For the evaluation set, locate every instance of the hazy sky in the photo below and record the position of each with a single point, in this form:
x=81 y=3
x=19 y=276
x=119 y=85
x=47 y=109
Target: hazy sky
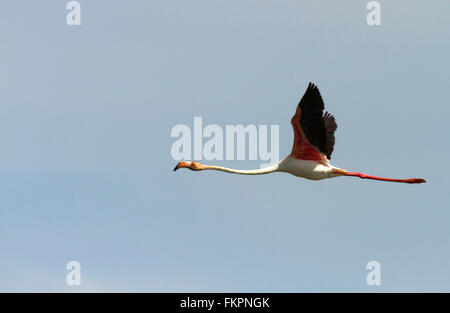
x=86 y=171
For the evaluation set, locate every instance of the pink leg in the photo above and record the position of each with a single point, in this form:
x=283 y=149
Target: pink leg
x=365 y=176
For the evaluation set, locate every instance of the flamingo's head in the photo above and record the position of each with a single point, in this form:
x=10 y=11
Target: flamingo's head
x=193 y=166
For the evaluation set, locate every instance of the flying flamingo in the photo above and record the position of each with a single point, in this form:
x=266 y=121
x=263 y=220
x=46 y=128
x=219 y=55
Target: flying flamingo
x=312 y=148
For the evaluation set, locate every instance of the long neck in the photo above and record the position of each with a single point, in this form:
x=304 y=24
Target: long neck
x=261 y=171
x=395 y=180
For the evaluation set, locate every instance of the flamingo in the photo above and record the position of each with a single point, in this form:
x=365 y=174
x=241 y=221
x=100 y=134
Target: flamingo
x=312 y=147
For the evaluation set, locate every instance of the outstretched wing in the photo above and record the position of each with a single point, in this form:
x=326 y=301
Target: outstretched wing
x=313 y=130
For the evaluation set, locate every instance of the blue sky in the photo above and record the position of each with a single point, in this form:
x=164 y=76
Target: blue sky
x=86 y=172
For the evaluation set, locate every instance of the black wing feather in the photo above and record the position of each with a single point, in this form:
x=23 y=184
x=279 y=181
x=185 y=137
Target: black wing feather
x=319 y=128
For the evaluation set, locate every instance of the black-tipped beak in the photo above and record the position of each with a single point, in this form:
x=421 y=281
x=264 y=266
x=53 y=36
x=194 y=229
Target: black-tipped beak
x=175 y=168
